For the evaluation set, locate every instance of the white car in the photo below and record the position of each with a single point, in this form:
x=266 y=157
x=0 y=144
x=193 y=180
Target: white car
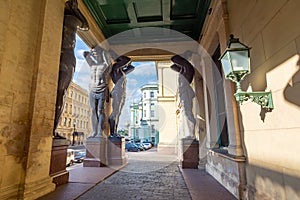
x=70 y=157
x=147 y=145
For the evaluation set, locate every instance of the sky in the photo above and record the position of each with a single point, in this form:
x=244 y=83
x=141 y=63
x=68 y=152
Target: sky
x=144 y=73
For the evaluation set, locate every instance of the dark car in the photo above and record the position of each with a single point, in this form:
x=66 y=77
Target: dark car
x=131 y=147
x=79 y=156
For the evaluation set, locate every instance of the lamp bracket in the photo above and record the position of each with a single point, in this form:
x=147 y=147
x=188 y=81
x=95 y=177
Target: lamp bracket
x=264 y=99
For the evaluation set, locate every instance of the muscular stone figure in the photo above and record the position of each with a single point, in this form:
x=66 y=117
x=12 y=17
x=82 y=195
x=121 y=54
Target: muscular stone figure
x=73 y=20
x=118 y=94
x=186 y=95
x=99 y=61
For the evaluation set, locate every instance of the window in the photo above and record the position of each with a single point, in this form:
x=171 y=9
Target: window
x=70 y=110
x=152 y=113
x=65 y=121
x=75 y=96
x=66 y=108
x=145 y=113
x=222 y=126
x=69 y=124
x=153 y=128
x=71 y=94
x=152 y=104
x=144 y=94
x=151 y=94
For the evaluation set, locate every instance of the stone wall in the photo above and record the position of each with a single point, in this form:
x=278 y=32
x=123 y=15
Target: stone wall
x=30 y=37
x=272 y=29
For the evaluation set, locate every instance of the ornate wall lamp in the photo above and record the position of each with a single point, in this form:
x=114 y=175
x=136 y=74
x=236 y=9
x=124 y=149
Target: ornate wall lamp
x=236 y=65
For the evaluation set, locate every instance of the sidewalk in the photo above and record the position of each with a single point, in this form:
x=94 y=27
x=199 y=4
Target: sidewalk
x=81 y=179
x=203 y=186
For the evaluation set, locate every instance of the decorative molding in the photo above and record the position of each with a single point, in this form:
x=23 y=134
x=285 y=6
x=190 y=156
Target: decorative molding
x=38 y=188
x=9 y=192
x=225 y=154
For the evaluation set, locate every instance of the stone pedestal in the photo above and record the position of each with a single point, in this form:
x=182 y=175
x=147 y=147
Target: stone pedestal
x=190 y=148
x=96 y=152
x=58 y=161
x=116 y=151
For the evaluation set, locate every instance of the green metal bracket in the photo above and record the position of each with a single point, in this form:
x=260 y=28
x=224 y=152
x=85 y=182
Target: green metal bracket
x=261 y=98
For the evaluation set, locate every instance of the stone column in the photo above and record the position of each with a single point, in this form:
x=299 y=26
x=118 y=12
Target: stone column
x=167 y=80
x=40 y=25
x=210 y=110
x=200 y=119
x=234 y=136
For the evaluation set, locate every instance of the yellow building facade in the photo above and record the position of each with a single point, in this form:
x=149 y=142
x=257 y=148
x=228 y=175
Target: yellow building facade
x=76 y=116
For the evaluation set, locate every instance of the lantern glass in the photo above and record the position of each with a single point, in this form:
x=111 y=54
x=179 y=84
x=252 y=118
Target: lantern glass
x=240 y=60
x=236 y=60
x=225 y=60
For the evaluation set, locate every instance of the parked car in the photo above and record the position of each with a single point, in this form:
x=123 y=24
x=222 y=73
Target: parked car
x=147 y=145
x=131 y=147
x=140 y=146
x=70 y=157
x=79 y=156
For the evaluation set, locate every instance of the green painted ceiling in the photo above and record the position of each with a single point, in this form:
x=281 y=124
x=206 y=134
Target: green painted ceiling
x=116 y=16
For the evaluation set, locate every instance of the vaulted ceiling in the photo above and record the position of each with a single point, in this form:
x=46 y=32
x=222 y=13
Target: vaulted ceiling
x=116 y=16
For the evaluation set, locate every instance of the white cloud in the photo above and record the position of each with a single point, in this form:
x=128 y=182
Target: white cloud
x=82 y=74
x=133 y=95
x=145 y=69
x=131 y=83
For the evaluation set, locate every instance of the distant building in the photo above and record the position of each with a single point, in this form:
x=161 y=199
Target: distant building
x=144 y=115
x=75 y=120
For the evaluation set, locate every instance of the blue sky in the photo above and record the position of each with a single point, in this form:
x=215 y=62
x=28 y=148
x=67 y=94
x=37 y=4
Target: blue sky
x=144 y=73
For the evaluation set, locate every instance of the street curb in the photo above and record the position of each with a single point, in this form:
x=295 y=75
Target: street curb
x=109 y=175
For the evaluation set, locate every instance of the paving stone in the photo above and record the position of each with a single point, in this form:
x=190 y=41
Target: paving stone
x=143 y=179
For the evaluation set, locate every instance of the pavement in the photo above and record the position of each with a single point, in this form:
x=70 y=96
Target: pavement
x=148 y=175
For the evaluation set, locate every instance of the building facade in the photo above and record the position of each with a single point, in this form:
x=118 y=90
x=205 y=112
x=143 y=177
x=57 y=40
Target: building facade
x=75 y=121
x=144 y=116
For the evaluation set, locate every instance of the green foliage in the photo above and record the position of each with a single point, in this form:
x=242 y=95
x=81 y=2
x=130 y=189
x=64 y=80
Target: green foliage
x=123 y=132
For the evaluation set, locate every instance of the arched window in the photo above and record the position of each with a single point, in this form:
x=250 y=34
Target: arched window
x=65 y=121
